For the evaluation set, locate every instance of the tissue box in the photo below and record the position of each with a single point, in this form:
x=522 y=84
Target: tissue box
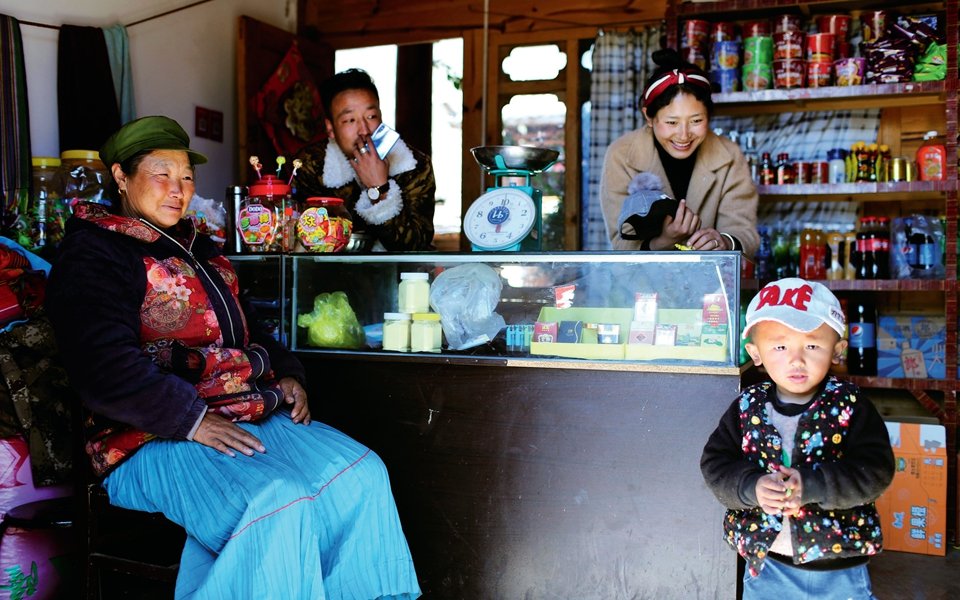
x=913 y=510
x=911 y=346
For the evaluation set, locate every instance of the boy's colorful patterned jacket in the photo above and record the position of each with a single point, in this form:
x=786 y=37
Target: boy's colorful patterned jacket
x=843 y=453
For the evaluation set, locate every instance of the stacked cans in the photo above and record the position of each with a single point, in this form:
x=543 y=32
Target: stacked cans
x=694 y=40
x=846 y=69
x=757 y=56
x=789 y=69
x=724 y=57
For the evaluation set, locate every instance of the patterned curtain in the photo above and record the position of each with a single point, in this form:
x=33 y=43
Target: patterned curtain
x=620 y=67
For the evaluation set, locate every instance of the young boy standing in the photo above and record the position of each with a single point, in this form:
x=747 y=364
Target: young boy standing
x=798 y=461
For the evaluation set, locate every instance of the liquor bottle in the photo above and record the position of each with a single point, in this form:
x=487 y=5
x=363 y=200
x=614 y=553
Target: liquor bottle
x=768 y=173
x=785 y=170
x=862 y=322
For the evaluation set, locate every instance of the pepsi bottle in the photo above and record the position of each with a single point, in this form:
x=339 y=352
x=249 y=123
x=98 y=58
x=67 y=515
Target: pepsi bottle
x=862 y=352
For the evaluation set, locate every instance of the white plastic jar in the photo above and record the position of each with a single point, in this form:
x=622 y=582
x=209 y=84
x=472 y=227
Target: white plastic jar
x=414 y=292
x=396 y=331
x=426 y=334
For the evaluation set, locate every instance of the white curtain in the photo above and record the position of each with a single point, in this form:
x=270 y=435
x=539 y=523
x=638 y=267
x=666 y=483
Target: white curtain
x=620 y=69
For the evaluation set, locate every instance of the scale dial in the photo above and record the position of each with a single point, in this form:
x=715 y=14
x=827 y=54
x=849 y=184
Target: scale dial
x=499 y=219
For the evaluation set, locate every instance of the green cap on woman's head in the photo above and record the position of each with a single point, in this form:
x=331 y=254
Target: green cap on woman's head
x=145 y=134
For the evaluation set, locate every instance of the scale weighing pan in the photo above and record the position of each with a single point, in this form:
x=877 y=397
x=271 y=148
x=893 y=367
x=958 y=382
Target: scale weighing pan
x=518 y=158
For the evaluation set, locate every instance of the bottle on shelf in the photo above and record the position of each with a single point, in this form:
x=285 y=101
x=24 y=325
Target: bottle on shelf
x=812 y=254
x=882 y=247
x=834 y=257
x=863 y=164
x=851 y=258
x=882 y=165
x=794 y=250
x=786 y=173
x=841 y=367
x=873 y=158
x=862 y=325
x=932 y=157
x=873 y=248
x=764 y=255
x=750 y=154
x=837 y=165
x=768 y=172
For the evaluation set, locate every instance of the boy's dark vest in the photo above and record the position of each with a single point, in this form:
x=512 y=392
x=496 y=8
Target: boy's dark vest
x=816 y=533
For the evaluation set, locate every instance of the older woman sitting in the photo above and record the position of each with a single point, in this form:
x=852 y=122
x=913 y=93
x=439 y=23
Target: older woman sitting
x=195 y=412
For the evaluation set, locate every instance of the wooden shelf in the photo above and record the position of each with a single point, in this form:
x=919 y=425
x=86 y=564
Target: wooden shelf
x=744 y=9
x=872 y=192
x=871 y=95
x=891 y=285
x=944 y=385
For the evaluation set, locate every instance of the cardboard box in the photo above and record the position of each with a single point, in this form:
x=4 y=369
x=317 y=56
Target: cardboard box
x=913 y=510
x=912 y=346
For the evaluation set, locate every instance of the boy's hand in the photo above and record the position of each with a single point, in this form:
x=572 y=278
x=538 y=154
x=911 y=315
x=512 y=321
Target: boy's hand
x=794 y=495
x=772 y=493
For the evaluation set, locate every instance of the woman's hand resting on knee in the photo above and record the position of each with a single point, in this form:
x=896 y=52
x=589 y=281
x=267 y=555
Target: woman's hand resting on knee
x=225 y=436
x=293 y=393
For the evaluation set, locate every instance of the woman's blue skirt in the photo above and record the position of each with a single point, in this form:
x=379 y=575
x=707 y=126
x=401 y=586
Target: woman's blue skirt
x=311 y=518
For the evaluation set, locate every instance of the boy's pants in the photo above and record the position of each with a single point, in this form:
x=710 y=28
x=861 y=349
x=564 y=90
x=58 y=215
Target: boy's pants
x=779 y=580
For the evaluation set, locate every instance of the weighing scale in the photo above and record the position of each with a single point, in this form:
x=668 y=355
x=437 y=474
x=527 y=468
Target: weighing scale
x=508 y=218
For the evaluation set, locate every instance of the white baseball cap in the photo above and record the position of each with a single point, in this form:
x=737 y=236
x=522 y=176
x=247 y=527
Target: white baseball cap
x=799 y=304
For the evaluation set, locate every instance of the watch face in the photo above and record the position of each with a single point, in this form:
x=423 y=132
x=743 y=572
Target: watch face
x=500 y=218
x=373 y=193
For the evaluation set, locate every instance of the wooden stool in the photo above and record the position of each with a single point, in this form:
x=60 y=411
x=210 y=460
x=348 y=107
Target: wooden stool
x=136 y=544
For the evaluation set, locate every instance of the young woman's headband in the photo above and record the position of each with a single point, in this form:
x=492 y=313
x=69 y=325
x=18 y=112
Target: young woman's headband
x=674 y=77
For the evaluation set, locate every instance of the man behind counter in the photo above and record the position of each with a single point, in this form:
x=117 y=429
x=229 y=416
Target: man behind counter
x=392 y=199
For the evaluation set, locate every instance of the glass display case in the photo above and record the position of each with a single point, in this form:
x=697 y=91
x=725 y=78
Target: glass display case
x=633 y=310
x=264 y=280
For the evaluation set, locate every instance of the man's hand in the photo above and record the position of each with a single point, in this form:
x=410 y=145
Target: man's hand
x=370 y=168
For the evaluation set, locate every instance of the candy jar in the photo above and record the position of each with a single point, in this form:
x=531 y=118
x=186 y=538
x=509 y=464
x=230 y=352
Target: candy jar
x=325 y=225
x=85 y=177
x=263 y=215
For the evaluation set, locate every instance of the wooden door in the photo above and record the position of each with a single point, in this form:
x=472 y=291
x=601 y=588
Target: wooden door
x=260 y=48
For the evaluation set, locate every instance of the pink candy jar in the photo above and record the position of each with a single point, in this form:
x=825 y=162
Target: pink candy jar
x=325 y=225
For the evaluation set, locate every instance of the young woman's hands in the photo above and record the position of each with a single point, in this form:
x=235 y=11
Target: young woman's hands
x=676 y=229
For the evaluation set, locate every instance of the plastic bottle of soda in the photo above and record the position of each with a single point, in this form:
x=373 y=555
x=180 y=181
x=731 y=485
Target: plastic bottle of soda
x=794 y=251
x=811 y=254
x=881 y=248
x=862 y=324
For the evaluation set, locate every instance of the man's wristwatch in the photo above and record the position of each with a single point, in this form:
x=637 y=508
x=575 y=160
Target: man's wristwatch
x=375 y=193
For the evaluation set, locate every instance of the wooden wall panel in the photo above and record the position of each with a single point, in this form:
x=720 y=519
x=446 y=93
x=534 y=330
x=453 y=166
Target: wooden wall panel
x=352 y=23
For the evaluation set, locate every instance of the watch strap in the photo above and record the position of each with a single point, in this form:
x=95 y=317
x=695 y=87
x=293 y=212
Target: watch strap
x=381 y=190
